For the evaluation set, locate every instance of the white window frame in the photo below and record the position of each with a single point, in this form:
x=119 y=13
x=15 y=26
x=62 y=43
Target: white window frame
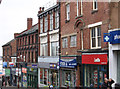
x=68 y=11
x=81 y=8
x=46 y=24
x=56 y=19
x=55 y=48
x=41 y=25
x=65 y=42
x=44 y=49
x=73 y=41
x=96 y=37
x=51 y=21
x=94 y=5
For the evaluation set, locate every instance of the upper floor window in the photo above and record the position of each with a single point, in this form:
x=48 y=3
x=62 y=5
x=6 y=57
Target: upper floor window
x=96 y=37
x=7 y=51
x=68 y=12
x=73 y=41
x=36 y=37
x=79 y=7
x=95 y=5
x=54 y=48
x=29 y=40
x=64 y=42
x=51 y=21
x=46 y=24
x=26 y=40
x=32 y=39
x=41 y=25
x=44 y=49
x=56 y=19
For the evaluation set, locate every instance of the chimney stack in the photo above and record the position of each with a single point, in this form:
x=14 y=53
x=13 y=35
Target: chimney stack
x=41 y=9
x=29 y=23
x=15 y=35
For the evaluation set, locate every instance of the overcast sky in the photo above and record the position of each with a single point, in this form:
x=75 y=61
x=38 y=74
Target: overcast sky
x=14 y=14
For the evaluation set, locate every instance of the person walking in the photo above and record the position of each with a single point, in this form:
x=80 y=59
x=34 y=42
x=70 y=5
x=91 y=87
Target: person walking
x=110 y=82
x=105 y=84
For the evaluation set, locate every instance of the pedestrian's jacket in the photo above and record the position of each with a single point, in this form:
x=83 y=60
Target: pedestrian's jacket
x=110 y=84
x=104 y=86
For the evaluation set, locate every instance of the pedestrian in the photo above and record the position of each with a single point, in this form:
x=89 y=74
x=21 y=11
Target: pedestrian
x=105 y=84
x=110 y=82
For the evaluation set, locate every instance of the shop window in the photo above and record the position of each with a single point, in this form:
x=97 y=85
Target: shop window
x=96 y=37
x=73 y=41
x=64 y=42
x=41 y=76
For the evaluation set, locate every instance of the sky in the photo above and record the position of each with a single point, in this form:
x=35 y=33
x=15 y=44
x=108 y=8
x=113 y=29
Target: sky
x=14 y=14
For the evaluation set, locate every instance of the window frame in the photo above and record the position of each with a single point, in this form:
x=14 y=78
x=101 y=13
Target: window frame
x=51 y=21
x=56 y=19
x=65 y=42
x=96 y=37
x=41 y=25
x=46 y=24
x=95 y=8
x=67 y=11
x=56 y=43
x=74 y=41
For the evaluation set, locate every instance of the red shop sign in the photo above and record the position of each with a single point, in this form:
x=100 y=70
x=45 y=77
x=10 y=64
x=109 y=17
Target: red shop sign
x=100 y=59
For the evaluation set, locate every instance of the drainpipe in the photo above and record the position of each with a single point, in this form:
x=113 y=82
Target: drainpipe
x=59 y=40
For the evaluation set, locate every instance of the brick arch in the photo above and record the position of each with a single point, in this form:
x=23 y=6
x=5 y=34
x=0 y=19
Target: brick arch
x=79 y=24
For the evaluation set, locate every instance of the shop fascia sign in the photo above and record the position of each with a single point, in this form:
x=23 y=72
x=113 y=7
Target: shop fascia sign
x=100 y=58
x=69 y=63
x=113 y=37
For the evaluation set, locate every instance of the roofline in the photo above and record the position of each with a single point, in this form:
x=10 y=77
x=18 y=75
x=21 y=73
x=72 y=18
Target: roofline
x=48 y=9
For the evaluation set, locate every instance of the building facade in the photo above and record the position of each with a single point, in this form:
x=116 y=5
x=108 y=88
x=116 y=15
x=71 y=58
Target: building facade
x=114 y=43
x=27 y=55
x=82 y=28
x=48 y=72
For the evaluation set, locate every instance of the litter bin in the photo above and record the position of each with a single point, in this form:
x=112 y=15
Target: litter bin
x=117 y=86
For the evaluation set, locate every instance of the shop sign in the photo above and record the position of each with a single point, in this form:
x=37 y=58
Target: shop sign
x=7 y=72
x=112 y=37
x=100 y=59
x=24 y=70
x=69 y=63
x=34 y=65
x=53 y=66
x=115 y=37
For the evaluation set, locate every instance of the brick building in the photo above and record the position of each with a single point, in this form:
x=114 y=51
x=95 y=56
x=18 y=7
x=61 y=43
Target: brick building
x=9 y=52
x=82 y=28
x=27 y=54
x=48 y=46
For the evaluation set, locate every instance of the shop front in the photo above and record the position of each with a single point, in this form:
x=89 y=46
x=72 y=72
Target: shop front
x=24 y=77
x=48 y=73
x=114 y=55
x=32 y=76
x=94 y=69
x=68 y=72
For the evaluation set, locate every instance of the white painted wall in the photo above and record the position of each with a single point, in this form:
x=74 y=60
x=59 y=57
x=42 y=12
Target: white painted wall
x=113 y=61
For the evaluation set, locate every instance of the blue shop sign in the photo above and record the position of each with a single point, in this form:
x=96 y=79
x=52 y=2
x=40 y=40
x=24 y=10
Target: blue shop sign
x=115 y=37
x=69 y=63
x=4 y=64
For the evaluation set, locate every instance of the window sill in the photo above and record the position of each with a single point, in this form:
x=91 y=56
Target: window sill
x=78 y=16
x=94 y=11
x=96 y=48
x=66 y=21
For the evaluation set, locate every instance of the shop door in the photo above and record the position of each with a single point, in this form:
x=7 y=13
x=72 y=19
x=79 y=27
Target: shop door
x=118 y=66
x=102 y=74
